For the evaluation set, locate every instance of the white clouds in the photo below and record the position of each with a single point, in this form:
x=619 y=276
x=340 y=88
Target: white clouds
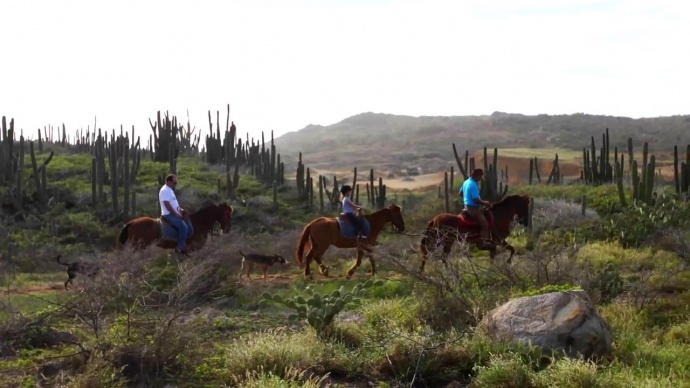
x=282 y=65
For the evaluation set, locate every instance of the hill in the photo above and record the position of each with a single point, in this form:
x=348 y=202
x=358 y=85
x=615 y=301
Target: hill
x=393 y=142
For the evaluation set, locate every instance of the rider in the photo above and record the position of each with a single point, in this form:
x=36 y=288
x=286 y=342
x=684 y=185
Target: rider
x=349 y=209
x=173 y=213
x=473 y=203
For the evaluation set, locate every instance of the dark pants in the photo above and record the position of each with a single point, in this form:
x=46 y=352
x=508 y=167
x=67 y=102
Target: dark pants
x=182 y=230
x=355 y=221
x=478 y=214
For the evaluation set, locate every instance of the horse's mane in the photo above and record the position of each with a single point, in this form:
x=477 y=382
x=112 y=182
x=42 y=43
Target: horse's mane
x=506 y=201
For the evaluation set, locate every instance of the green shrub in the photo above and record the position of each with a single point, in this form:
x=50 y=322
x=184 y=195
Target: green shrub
x=319 y=310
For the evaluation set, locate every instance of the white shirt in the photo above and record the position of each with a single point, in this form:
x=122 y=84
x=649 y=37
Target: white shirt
x=167 y=194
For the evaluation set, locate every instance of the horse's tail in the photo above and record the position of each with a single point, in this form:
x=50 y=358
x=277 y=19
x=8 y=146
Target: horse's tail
x=122 y=237
x=302 y=242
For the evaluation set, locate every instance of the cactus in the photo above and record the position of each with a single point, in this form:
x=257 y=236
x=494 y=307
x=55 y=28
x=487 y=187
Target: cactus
x=381 y=198
x=619 y=181
x=462 y=168
x=536 y=170
x=299 y=177
x=322 y=183
x=319 y=310
x=40 y=180
x=372 y=196
x=445 y=192
x=489 y=188
x=676 y=177
x=164 y=143
x=598 y=170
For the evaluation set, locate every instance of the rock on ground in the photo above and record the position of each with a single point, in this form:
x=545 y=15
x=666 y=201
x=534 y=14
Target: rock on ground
x=558 y=321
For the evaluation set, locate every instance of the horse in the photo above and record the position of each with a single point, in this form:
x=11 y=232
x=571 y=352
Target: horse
x=449 y=227
x=322 y=232
x=143 y=231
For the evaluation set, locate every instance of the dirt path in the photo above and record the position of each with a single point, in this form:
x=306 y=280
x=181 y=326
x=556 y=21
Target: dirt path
x=32 y=290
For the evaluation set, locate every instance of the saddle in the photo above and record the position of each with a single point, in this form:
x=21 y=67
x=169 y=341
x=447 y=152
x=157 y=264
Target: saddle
x=466 y=218
x=344 y=218
x=165 y=221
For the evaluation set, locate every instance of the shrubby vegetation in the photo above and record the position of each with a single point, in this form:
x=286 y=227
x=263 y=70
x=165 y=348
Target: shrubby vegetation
x=149 y=319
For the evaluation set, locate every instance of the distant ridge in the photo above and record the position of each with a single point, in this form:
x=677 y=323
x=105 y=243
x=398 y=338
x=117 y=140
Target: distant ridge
x=371 y=139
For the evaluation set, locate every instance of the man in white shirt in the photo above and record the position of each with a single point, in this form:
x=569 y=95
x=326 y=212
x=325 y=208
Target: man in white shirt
x=173 y=213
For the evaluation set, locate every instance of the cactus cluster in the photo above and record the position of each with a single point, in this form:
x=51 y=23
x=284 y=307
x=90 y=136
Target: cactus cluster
x=124 y=161
x=598 y=169
x=261 y=161
x=681 y=171
x=319 y=310
x=492 y=188
x=642 y=181
x=12 y=168
x=376 y=195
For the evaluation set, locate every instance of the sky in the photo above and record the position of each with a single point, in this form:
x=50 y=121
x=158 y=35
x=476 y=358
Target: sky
x=282 y=65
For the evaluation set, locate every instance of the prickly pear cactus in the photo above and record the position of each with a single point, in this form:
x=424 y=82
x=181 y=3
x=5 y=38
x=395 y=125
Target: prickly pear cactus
x=319 y=310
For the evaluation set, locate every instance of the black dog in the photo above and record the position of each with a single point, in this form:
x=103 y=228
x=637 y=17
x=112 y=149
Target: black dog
x=81 y=267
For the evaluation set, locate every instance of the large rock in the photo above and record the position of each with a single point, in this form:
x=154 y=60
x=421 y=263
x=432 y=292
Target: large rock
x=558 y=321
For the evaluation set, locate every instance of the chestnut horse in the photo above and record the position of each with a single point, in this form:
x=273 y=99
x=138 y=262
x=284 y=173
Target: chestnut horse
x=450 y=227
x=323 y=232
x=144 y=231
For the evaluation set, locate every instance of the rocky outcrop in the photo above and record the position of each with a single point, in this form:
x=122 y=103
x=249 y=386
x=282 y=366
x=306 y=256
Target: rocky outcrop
x=558 y=321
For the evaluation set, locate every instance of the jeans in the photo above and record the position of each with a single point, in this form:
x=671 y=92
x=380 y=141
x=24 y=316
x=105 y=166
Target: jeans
x=182 y=230
x=355 y=221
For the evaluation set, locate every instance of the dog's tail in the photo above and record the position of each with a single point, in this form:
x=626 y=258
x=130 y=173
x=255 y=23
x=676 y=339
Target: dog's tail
x=122 y=237
x=241 y=254
x=58 y=260
x=306 y=233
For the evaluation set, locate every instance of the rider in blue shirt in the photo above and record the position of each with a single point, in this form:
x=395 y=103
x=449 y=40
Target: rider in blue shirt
x=474 y=203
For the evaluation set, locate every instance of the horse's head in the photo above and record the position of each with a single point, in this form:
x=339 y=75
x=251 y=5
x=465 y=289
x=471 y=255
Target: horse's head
x=397 y=218
x=224 y=216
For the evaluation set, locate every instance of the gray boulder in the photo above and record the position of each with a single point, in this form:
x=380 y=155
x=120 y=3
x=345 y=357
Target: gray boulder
x=558 y=321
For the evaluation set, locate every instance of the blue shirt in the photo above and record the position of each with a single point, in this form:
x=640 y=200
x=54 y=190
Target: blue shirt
x=470 y=191
x=347 y=205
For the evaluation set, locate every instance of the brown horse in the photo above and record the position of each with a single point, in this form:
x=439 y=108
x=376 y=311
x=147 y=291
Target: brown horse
x=450 y=227
x=144 y=231
x=323 y=232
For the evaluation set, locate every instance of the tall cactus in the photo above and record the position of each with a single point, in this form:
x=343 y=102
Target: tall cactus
x=489 y=188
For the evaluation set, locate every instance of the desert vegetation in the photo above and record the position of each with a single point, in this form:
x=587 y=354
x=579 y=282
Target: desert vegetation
x=151 y=318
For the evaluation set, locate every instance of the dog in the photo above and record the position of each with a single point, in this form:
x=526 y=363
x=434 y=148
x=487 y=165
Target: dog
x=262 y=260
x=84 y=268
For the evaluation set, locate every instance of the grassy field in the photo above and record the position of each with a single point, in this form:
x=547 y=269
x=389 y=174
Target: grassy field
x=150 y=319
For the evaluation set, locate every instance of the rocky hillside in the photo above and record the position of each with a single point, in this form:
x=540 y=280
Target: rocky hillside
x=375 y=140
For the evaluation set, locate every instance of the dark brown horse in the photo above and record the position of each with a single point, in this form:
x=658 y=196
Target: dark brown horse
x=144 y=231
x=448 y=228
x=323 y=232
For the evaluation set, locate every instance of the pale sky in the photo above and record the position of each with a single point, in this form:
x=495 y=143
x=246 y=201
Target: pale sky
x=284 y=64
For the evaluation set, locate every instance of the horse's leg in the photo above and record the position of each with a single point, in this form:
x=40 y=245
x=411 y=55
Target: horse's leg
x=447 y=246
x=315 y=254
x=372 y=263
x=307 y=262
x=322 y=268
x=357 y=263
x=510 y=249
